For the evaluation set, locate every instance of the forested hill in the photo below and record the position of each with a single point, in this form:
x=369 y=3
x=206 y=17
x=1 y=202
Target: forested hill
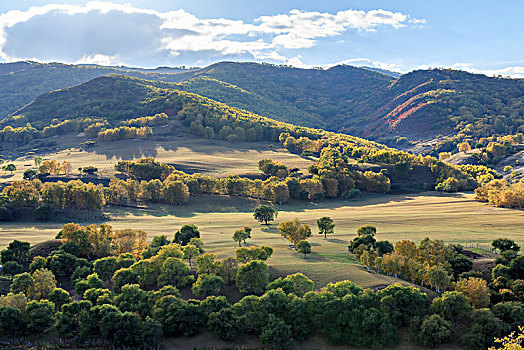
x=357 y=101
x=367 y=103
x=305 y=94
x=22 y=82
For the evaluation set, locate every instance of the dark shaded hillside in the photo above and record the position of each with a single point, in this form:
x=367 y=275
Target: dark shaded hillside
x=329 y=94
x=22 y=82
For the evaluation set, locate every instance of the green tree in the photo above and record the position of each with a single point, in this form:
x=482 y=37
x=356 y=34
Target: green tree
x=186 y=232
x=21 y=283
x=276 y=333
x=123 y=277
x=207 y=285
x=69 y=320
x=177 y=316
x=504 y=244
x=59 y=297
x=253 y=277
x=190 y=251
x=228 y=270
x=225 y=324
x=133 y=299
x=174 y=272
x=16 y=251
x=304 y=247
x=434 y=331
x=207 y=263
x=40 y=315
x=451 y=305
x=326 y=226
x=265 y=213
x=241 y=235
x=12 y=323
x=105 y=267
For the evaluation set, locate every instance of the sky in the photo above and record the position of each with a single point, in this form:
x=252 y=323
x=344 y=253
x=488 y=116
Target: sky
x=400 y=35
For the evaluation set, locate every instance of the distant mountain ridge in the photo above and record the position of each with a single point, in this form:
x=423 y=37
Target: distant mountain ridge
x=360 y=101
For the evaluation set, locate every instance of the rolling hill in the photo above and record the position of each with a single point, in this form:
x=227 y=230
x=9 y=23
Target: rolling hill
x=22 y=82
x=358 y=101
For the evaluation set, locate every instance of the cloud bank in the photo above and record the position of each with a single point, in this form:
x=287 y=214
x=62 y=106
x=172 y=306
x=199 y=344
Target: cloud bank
x=109 y=33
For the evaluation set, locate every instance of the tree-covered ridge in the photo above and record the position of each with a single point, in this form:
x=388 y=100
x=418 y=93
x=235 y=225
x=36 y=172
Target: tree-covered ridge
x=329 y=94
x=22 y=82
x=119 y=98
x=237 y=97
x=427 y=102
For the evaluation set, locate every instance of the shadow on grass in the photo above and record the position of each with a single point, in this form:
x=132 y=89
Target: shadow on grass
x=336 y=240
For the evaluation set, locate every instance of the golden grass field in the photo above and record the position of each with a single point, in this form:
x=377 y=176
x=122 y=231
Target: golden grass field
x=449 y=217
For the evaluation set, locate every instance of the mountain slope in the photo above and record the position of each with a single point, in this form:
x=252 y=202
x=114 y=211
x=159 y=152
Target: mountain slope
x=328 y=94
x=22 y=82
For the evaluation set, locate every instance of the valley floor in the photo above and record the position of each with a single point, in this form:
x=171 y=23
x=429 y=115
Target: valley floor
x=453 y=218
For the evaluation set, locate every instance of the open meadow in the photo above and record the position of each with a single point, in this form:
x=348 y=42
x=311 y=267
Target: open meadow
x=453 y=218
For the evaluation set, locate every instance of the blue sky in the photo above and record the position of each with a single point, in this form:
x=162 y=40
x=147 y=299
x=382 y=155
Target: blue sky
x=479 y=36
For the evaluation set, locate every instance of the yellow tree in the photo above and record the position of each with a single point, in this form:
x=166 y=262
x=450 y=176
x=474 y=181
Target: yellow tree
x=294 y=231
x=476 y=290
x=512 y=341
x=44 y=283
x=66 y=167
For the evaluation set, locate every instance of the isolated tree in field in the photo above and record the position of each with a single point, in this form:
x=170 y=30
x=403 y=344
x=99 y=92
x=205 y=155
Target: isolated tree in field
x=66 y=167
x=38 y=161
x=265 y=213
x=186 y=232
x=10 y=167
x=504 y=244
x=190 y=251
x=326 y=226
x=294 y=231
x=241 y=235
x=253 y=277
x=304 y=247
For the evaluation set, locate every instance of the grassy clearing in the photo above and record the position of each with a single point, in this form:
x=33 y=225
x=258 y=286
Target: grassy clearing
x=179 y=148
x=452 y=218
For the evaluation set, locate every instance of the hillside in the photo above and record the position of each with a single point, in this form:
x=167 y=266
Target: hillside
x=22 y=82
x=363 y=101
x=366 y=103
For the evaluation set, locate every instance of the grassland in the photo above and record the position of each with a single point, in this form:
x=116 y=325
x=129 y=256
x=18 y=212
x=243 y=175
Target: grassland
x=172 y=145
x=454 y=218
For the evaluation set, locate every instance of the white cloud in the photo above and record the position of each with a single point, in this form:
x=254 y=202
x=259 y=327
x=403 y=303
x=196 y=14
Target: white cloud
x=514 y=71
x=109 y=33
